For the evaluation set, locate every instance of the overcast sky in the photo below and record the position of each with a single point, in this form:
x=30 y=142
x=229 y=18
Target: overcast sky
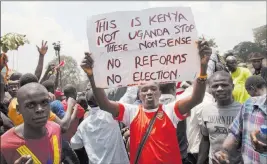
x=228 y=22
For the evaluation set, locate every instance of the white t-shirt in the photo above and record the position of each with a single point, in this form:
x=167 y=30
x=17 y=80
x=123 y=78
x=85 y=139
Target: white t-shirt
x=216 y=121
x=100 y=134
x=194 y=120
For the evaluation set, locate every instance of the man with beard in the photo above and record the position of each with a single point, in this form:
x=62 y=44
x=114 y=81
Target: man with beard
x=239 y=76
x=37 y=136
x=217 y=117
x=161 y=145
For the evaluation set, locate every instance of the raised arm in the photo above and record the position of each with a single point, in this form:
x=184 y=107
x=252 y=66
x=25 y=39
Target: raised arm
x=47 y=75
x=57 y=78
x=66 y=120
x=186 y=104
x=42 y=51
x=99 y=93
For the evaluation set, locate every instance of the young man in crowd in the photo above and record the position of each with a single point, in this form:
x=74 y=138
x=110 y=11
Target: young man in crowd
x=161 y=145
x=256 y=60
x=246 y=125
x=13 y=84
x=193 y=124
x=239 y=76
x=100 y=134
x=217 y=117
x=36 y=137
x=13 y=114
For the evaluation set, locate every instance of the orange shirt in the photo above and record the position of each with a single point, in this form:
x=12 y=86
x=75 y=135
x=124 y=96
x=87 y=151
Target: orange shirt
x=162 y=145
x=17 y=118
x=41 y=150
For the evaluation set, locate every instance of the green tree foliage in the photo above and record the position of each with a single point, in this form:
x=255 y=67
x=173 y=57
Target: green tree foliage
x=70 y=73
x=260 y=35
x=12 y=41
x=244 y=49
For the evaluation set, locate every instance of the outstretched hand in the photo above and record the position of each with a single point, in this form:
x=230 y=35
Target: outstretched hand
x=87 y=64
x=43 y=49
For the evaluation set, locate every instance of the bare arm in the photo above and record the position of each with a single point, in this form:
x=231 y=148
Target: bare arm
x=47 y=75
x=74 y=114
x=230 y=143
x=186 y=104
x=66 y=120
x=57 y=77
x=42 y=51
x=103 y=102
x=203 y=150
x=39 y=68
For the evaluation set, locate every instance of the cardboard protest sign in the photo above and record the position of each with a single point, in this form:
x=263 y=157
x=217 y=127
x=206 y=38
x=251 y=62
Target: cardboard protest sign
x=137 y=47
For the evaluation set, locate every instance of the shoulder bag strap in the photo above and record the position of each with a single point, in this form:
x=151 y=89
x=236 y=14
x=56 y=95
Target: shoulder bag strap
x=144 y=138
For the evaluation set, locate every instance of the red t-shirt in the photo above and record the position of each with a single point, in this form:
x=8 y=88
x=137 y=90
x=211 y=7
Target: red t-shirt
x=162 y=145
x=80 y=112
x=44 y=149
x=74 y=125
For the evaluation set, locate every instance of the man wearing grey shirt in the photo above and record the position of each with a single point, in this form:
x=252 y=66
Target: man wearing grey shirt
x=217 y=117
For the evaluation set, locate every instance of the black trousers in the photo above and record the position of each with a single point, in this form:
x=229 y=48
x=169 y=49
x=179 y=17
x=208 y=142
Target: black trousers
x=68 y=154
x=82 y=155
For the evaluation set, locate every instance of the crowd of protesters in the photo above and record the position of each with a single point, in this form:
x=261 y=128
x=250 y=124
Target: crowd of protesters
x=214 y=119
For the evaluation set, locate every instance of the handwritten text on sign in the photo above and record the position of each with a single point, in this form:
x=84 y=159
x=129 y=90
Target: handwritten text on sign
x=136 y=47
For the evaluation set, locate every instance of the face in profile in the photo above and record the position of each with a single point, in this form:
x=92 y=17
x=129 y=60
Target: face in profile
x=149 y=95
x=34 y=105
x=221 y=88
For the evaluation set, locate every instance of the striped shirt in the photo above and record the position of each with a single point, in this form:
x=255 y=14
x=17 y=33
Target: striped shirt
x=252 y=115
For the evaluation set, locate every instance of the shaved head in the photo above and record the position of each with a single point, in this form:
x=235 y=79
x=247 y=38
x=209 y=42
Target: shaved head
x=29 y=88
x=33 y=104
x=231 y=58
x=231 y=63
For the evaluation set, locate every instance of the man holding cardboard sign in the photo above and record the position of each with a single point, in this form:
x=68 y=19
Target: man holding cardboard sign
x=144 y=48
x=153 y=125
x=136 y=47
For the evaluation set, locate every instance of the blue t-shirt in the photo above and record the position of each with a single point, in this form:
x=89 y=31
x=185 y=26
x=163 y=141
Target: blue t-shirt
x=57 y=108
